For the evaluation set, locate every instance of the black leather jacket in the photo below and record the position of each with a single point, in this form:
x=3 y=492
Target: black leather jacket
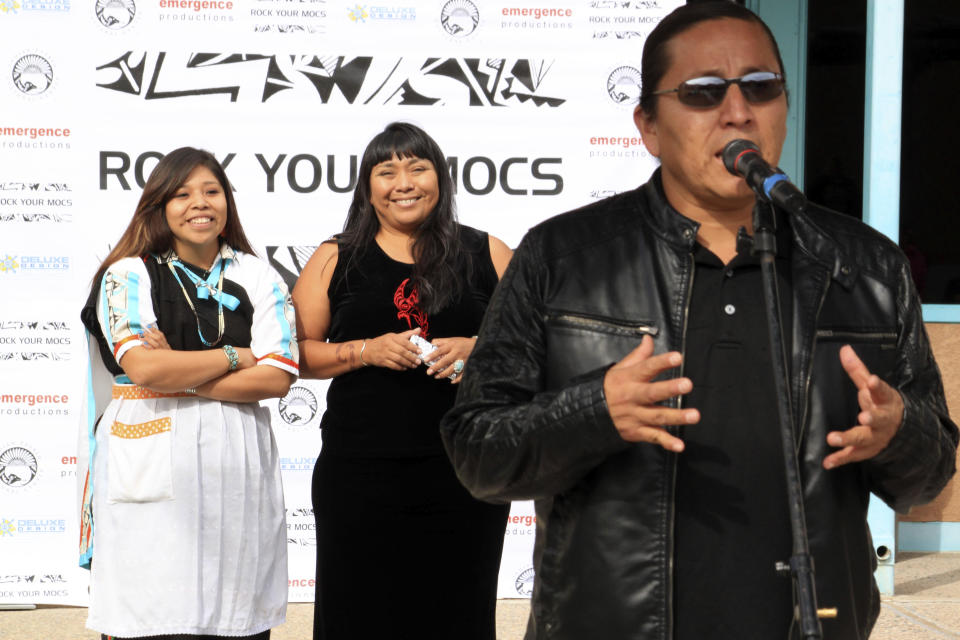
x=531 y=421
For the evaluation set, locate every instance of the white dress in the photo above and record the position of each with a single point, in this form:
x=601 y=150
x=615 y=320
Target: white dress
x=190 y=534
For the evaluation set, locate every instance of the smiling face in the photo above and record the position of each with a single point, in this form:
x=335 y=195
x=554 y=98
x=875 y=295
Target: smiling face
x=196 y=214
x=688 y=140
x=403 y=192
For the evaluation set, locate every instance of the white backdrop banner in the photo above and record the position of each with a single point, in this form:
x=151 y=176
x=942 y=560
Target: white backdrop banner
x=531 y=102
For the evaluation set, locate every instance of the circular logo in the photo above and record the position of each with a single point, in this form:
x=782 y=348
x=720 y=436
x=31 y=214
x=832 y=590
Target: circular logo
x=298 y=407
x=32 y=74
x=623 y=85
x=115 y=14
x=459 y=18
x=524 y=582
x=18 y=467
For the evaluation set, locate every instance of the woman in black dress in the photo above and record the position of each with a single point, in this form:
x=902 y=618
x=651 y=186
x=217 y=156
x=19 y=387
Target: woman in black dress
x=402 y=549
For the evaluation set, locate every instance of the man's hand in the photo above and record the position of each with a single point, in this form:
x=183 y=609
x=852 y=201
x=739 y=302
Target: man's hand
x=881 y=414
x=632 y=399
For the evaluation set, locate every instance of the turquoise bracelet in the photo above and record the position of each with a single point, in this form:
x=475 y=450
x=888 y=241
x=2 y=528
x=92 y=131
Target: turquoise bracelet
x=232 y=356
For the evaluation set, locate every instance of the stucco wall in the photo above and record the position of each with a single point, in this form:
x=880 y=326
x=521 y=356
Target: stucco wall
x=945 y=339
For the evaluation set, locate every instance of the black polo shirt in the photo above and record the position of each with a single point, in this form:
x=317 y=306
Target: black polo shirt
x=732 y=521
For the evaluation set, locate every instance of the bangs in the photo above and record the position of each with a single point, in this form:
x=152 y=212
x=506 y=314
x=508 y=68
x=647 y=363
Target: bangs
x=175 y=167
x=403 y=143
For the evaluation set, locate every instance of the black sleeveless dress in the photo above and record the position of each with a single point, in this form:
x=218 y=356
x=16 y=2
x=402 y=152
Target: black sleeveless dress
x=402 y=549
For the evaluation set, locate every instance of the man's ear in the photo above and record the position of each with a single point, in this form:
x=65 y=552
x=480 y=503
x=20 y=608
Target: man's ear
x=647 y=127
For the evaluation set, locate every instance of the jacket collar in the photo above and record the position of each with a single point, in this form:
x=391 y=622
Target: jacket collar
x=226 y=253
x=667 y=222
x=808 y=237
x=811 y=240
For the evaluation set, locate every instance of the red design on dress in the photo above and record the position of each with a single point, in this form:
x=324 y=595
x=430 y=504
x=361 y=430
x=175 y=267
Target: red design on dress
x=408 y=309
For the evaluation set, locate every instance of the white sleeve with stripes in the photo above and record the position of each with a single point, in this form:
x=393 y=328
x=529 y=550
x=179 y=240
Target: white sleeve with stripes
x=273 y=336
x=124 y=306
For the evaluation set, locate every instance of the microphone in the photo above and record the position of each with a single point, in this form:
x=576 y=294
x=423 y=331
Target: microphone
x=742 y=158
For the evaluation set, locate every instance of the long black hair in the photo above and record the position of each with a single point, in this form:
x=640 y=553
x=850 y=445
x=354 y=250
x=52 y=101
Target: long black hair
x=438 y=257
x=655 y=60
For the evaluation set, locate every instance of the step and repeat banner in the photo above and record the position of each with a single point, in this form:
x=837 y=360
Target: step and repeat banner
x=530 y=101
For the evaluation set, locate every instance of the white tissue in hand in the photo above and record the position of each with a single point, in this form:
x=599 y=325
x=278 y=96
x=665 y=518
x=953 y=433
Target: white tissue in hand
x=425 y=346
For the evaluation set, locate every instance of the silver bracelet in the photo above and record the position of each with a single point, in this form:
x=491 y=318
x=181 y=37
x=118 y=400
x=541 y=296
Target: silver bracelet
x=191 y=391
x=362 y=347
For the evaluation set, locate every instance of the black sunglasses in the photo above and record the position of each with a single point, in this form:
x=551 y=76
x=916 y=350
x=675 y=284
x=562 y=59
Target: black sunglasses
x=709 y=91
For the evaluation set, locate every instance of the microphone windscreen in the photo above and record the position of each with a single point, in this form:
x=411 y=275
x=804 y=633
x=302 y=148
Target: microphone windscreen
x=733 y=151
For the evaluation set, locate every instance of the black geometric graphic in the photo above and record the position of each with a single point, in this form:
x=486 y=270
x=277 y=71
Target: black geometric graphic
x=493 y=82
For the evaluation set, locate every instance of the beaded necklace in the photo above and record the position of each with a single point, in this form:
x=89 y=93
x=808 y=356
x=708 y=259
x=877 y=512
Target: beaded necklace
x=206 y=289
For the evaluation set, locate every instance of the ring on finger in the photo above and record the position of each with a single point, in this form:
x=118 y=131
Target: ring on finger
x=458 y=366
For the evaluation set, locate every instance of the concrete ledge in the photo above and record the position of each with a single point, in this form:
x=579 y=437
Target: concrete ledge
x=928 y=537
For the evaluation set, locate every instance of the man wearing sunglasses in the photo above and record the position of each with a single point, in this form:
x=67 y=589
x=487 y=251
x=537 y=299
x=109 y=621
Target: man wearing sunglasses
x=622 y=377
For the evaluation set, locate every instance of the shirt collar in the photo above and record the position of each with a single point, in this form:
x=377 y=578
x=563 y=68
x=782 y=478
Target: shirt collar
x=745 y=246
x=226 y=253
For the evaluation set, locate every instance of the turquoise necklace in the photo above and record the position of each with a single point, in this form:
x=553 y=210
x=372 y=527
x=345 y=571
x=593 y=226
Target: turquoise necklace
x=205 y=290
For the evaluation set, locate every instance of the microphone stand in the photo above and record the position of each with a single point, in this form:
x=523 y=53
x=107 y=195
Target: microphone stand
x=801 y=562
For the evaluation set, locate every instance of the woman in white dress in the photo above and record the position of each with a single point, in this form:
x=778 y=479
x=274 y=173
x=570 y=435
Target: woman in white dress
x=184 y=483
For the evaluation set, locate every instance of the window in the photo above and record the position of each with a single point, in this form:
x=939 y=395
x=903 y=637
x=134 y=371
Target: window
x=929 y=224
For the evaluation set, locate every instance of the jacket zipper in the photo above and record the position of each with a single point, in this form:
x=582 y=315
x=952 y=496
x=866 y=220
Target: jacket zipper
x=673 y=458
x=877 y=336
x=606 y=326
x=802 y=427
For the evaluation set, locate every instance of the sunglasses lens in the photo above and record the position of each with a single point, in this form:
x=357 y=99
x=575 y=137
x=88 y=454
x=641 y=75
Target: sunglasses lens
x=702 y=92
x=757 y=87
x=761 y=87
